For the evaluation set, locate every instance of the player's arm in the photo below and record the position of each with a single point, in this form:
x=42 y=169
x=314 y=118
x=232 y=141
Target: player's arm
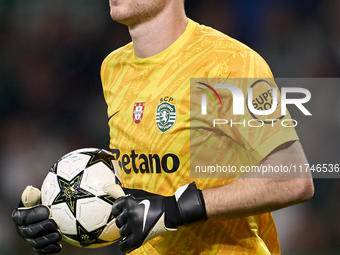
x=250 y=196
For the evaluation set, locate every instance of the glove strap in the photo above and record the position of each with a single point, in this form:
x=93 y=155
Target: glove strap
x=191 y=204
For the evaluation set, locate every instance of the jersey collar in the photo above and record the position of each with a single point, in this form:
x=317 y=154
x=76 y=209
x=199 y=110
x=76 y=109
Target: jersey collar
x=169 y=52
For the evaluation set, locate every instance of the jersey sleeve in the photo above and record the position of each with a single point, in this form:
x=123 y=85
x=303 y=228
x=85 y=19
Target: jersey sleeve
x=258 y=134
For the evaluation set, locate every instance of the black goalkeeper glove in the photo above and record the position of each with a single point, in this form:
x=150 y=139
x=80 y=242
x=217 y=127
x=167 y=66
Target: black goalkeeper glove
x=34 y=225
x=141 y=215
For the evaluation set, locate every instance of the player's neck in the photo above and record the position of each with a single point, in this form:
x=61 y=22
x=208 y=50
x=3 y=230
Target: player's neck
x=154 y=36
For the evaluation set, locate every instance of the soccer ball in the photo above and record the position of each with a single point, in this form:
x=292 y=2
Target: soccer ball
x=73 y=190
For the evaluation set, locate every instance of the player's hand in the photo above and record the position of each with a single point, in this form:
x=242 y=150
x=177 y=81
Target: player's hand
x=141 y=215
x=34 y=225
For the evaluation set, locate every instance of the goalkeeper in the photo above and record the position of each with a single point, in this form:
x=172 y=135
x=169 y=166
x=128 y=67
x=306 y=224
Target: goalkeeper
x=161 y=210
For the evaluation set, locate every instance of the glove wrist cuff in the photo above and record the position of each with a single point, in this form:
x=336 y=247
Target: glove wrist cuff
x=173 y=218
x=191 y=204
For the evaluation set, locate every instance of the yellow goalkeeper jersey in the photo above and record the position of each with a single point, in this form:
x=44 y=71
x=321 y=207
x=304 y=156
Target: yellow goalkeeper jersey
x=156 y=140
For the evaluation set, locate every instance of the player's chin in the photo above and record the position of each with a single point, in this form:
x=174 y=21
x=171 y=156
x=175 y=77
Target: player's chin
x=118 y=16
x=123 y=16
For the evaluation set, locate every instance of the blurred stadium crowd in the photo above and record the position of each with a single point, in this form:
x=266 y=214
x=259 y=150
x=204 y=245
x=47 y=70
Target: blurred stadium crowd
x=51 y=100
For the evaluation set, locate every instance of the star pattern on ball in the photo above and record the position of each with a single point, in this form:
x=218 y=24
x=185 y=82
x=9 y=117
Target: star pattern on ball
x=100 y=156
x=86 y=238
x=70 y=191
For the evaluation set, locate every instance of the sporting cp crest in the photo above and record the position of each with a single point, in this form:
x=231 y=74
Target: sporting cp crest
x=165 y=116
x=137 y=113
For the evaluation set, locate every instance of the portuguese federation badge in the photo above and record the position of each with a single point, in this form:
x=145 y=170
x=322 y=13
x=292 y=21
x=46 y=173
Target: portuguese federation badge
x=138 y=110
x=165 y=116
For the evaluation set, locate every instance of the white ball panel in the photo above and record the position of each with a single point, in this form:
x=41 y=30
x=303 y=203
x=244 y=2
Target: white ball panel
x=95 y=177
x=49 y=189
x=92 y=213
x=110 y=232
x=64 y=218
x=72 y=165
